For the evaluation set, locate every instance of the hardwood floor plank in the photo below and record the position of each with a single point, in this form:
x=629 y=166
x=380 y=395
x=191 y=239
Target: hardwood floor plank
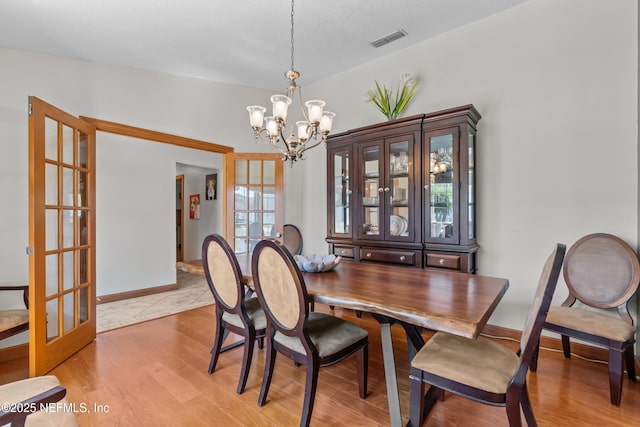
x=155 y=374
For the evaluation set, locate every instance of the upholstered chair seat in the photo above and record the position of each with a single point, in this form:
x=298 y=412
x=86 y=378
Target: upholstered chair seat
x=48 y=391
x=14 y=321
x=589 y=321
x=329 y=334
x=254 y=312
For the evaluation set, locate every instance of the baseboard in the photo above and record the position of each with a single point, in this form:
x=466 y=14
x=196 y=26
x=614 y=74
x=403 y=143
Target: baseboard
x=101 y=299
x=580 y=349
x=15 y=352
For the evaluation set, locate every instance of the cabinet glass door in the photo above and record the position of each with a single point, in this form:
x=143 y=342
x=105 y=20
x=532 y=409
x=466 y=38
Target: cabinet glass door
x=471 y=172
x=442 y=186
x=340 y=171
x=398 y=191
x=372 y=190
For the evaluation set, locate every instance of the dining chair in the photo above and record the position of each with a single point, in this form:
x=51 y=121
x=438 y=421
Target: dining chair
x=481 y=369
x=234 y=312
x=14 y=321
x=36 y=401
x=602 y=272
x=308 y=338
x=292 y=239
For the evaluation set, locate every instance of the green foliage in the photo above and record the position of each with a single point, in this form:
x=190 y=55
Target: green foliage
x=392 y=102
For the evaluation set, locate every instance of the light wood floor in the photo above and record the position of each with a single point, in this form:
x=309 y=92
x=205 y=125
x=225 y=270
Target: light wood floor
x=155 y=374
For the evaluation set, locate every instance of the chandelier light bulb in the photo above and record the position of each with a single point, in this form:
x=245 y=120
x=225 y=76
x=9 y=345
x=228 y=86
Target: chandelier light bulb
x=256 y=115
x=280 y=106
x=326 y=122
x=315 y=108
x=303 y=130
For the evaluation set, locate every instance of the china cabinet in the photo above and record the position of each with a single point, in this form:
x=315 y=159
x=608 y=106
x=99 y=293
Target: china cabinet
x=404 y=191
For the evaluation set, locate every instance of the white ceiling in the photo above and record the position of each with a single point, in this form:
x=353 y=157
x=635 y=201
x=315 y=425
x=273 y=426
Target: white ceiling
x=243 y=42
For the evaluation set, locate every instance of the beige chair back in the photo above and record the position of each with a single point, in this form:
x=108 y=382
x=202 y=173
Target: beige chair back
x=292 y=239
x=279 y=286
x=222 y=271
x=602 y=271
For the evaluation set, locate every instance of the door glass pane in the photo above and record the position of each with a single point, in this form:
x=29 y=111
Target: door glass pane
x=52 y=319
x=241 y=172
x=83 y=226
x=255 y=171
x=67 y=228
x=471 y=167
x=67 y=187
x=255 y=198
x=51 y=229
x=51 y=139
x=67 y=145
x=51 y=266
x=268 y=198
x=82 y=150
x=67 y=270
x=68 y=307
x=241 y=198
x=241 y=246
x=82 y=189
x=83 y=261
x=268 y=223
x=83 y=304
x=241 y=227
x=441 y=186
x=255 y=224
x=51 y=184
x=269 y=177
x=371 y=190
x=341 y=191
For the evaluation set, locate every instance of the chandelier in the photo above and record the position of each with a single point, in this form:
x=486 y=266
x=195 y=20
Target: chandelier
x=312 y=131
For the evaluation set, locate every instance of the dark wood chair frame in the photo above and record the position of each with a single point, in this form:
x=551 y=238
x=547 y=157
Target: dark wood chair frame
x=248 y=331
x=25 y=297
x=310 y=358
x=516 y=395
x=31 y=405
x=620 y=353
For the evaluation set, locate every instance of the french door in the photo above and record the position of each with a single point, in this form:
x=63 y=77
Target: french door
x=62 y=297
x=255 y=199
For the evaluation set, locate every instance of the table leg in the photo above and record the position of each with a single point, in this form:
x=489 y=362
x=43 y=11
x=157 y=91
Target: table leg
x=390 y=375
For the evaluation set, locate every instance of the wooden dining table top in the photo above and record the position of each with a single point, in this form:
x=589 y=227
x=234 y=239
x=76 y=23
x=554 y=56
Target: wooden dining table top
x=453 y=302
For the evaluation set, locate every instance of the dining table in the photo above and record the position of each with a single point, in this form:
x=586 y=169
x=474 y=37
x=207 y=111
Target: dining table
x=414 y=298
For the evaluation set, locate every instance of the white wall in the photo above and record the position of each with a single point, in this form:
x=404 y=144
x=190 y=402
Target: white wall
x=556 y=84
x=555 y=81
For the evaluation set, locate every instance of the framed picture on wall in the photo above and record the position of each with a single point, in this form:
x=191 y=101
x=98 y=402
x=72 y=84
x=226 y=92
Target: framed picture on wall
x=211 y=187
x=194 y=206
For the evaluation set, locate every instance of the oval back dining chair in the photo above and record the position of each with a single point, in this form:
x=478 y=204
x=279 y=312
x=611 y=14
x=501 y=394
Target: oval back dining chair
x=234 y=312
x=481 y=369
x=308 y=338
x=603 y=272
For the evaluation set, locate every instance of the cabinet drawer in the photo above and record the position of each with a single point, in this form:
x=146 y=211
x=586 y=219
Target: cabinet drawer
x=343 y=251
x=443 y=261
x=384 y=255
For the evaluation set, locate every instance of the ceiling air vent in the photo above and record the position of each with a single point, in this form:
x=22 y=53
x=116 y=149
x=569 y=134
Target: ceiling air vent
x=389 y=38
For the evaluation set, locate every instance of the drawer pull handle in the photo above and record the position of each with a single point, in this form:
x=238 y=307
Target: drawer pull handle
x=402 y=258
x=368 y=254
x=441 y=261
x=342 y=251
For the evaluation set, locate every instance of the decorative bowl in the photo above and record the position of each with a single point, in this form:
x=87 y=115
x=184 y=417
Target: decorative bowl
x=317 y=263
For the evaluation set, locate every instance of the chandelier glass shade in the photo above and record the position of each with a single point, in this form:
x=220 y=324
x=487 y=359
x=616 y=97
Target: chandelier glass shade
x=311 y=131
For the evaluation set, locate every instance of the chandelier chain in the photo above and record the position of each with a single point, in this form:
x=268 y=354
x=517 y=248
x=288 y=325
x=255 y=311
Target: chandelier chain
x=292 y=35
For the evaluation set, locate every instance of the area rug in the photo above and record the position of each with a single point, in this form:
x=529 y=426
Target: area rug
x=192 y=292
